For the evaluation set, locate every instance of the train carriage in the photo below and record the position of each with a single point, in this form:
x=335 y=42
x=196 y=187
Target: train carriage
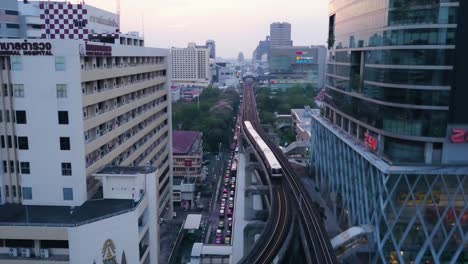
x=273 y=166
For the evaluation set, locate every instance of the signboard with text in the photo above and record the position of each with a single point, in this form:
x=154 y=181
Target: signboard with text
x=25 y=48
x=459 y=135
x=370 y=141
x=95 y=50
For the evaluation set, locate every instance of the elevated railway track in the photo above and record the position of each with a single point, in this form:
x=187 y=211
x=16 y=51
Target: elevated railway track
x=289 y=199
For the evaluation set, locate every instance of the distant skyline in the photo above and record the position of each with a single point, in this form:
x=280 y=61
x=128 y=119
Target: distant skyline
x=170 y=23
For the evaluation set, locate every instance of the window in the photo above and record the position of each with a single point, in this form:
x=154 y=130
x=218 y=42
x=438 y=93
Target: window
x=59 y=63
x=66 y=169
x=5 y=168
x=21 y=117
x=10 y=142
x=18 y=90
x=11 y=12
x=23 y=143
x=9 y=25
x=13 y=189
x=67 y=194
x=7 y=114
x=2 y=139
x=27 y=193
x=12 y=167
x=63 y=117
x=16 y=63
x=61 y=91
x=64 y=143
x=25 y=167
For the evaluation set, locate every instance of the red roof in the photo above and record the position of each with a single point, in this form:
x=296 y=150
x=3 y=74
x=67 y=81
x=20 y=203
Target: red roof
x=182 y=141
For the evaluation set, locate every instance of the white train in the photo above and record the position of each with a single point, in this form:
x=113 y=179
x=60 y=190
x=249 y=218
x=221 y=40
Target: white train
x=273 y=166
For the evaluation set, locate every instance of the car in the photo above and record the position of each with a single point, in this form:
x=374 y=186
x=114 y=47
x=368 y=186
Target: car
x=230 y=219
x=225 y=190
x=226 y=184
x=221 y=212
x=224 y=195
x=222 y=207
x=226 y=180
x=229 y=225
x=227 y=240
x=219 y=231
x=223 y=203
x=233 y=186
x=231 y=199
x=231 y=205
x=221 y=224
x=228 y=232
x=231 y=193
x=218 y=240
x=229 y=212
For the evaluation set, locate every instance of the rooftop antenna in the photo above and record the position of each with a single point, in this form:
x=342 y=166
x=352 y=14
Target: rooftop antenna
x=117 y=3
x=143 y=24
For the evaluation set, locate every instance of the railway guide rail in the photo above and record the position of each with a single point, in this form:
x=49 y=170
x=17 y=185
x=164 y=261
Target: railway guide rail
x=317 y=244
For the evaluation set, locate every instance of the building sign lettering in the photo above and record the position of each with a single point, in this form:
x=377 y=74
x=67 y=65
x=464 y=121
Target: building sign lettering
x=97 y=50
x=370 y=141
x=304 y=60
x=104 y=21
x=459 y=136
x=25 y=48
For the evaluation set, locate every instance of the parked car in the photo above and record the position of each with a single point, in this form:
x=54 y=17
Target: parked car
x=227 y=240
x=219 y=231
x=218 y=240
x=221 y=212
x=221 y=224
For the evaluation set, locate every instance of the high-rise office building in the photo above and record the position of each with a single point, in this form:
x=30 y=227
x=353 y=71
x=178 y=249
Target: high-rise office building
x=73 y=103
x=280 y=34
x=211 y=45
x=190 y=66
x=9 y=19
x=391 y=145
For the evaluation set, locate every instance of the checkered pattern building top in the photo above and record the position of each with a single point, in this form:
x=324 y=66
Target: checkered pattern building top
x=67 y=21
x=64 y=21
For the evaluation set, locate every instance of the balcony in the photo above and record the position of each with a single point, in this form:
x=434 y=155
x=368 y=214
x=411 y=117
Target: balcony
x=120 y=90
x=55 y=256
x=94 y=73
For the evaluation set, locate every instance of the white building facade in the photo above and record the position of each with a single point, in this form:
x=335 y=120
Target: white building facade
x=190 y=66
x=108 y=105
x=93 y=232
x=72 y=104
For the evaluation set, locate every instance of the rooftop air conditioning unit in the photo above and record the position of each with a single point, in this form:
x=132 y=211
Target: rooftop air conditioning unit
x=44 y=253
x=13 y=252
x=25 y=252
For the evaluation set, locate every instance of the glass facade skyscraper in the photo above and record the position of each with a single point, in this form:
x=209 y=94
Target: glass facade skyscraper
x=391 y=144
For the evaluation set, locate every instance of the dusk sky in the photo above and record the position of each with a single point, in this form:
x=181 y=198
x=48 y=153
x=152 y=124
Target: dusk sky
x=235 y=25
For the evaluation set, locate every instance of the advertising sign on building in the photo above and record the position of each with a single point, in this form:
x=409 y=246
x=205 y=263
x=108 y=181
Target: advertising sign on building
x=370 y=141
x=459 y=135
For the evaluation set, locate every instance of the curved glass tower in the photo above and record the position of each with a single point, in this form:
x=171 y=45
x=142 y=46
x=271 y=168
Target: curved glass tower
x=391 y=146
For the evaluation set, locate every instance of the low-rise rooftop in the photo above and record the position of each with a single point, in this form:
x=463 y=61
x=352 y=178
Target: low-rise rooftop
x=90 y=211
x=126 y=170
x=183 y=141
